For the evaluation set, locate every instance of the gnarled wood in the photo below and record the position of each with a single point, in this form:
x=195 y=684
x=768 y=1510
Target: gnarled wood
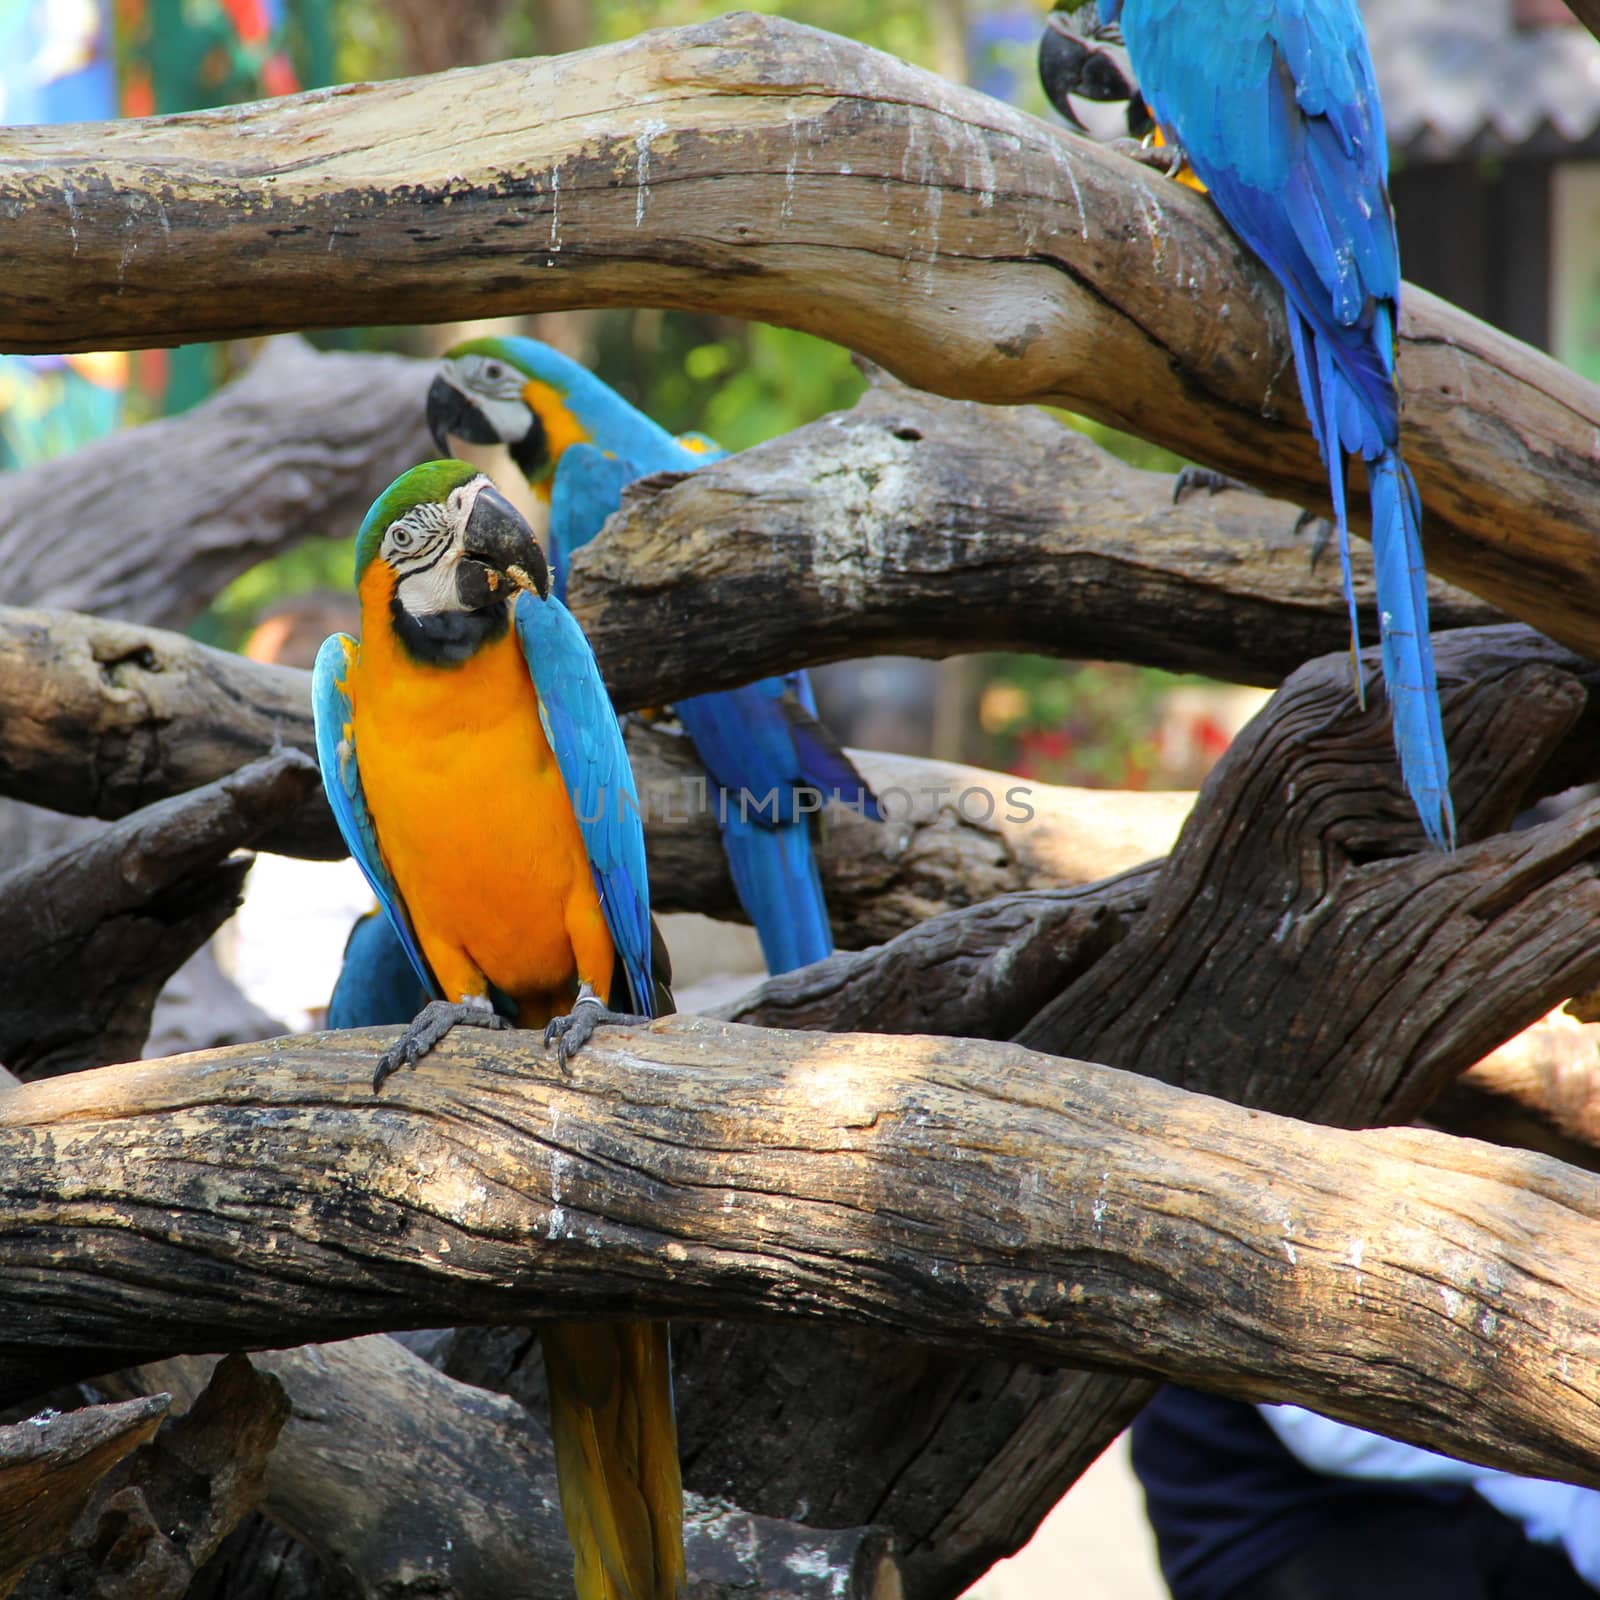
x=971 y=1194
x=98 y=717
x=406 y=1480
x=49 y=1466
x=91 y=932
x=1307 y=797
x=767 y=170
x=149 y=524
x=156 y=1518
x=915 y=525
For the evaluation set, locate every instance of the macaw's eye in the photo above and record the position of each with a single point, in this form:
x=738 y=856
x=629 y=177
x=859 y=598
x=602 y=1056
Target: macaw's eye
x=401 y=536
x=494 y=372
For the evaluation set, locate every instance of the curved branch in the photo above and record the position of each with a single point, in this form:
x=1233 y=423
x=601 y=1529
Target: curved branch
x=98 y=718
x=971 y=1194
x=767 y=170
x=915 y=525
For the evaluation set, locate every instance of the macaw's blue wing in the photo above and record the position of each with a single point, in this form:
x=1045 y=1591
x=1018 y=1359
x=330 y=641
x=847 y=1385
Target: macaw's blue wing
x=341 y=778
x=587 y=744
x=1276 y=107
x=377 y=983
x=587 y=488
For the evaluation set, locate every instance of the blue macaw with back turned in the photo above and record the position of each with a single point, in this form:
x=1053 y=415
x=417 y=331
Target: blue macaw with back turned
x=478 y=775
x=1274 y=107
x=579 y=443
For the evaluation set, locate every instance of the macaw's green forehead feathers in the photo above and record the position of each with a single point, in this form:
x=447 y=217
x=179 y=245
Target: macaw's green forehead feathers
x=433 y=481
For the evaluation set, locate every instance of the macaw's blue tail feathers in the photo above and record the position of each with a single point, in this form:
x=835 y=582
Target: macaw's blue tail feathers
x=1407 y=649
x=377 y=983
x=825 y=766
x=775 y=874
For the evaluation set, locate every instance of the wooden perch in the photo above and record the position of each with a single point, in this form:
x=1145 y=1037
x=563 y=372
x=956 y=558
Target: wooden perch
x=964 y=1193
x=152 y=522
x=763 y=169
x=91 y=932
x=406 y=1480
x=915 y=525
x=99 y=717
x=1226 y=982
x=49 y=1467
x=1540 y=1091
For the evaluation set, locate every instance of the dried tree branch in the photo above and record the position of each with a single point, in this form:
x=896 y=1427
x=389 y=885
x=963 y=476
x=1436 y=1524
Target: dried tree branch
x=403 y=1478
x=971 y=1194
x=99 y=717
x=917 y=525
x=155 y=1519
x=768 y=170
x=91 y=932
x=150 y=523
x=49 y=1467
x=1302 y=834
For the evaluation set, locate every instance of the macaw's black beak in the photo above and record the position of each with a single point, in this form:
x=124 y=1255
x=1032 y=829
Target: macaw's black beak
x=1069 y=66
x=500 y=548
x=451 y=412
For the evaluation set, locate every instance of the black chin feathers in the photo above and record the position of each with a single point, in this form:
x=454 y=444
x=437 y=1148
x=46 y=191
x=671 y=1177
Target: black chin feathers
x=445 y=638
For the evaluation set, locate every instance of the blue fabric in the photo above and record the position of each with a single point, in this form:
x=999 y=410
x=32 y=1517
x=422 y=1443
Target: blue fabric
x=1227 y=1499
x=1275 y=105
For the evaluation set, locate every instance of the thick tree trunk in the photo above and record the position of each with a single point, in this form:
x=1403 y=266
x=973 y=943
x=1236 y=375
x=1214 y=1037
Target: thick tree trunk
x=967 y=247
x=962 y=1193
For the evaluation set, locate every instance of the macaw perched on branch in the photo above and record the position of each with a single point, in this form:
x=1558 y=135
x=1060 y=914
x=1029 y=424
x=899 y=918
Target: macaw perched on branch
x=1275 y=108
x=579 y=443
x=478 y=775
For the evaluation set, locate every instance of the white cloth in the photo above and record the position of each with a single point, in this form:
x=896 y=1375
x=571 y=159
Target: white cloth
x=1550 y=1513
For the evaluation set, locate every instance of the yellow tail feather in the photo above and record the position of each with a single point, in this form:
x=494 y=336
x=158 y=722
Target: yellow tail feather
x=617 y=1457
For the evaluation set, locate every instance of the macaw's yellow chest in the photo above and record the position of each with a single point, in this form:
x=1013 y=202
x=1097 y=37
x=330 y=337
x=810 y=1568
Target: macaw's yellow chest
x=474 y=821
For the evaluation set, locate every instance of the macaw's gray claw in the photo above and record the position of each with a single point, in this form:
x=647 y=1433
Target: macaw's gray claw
x=1190 y=480
x=428 y=1027
x=569 y=1034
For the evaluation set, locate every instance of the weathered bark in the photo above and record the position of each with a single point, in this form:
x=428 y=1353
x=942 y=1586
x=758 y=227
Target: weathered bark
x=1539 y=1091
x=866 y=533
x=149 y=524
x=99 y=717
x=977 y=973
x=964 y=1193
x=915 y=525
x=964 y=245
x=1306 y=798
x=154 y=1521
x=407 y=1481
x=90 y=933
x=1293 y=925
x=49 y=1467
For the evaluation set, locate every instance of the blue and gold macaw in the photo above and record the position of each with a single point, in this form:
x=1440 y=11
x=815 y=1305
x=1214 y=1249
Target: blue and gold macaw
x=1274 y=107
x=579 y=443
x=479 y=778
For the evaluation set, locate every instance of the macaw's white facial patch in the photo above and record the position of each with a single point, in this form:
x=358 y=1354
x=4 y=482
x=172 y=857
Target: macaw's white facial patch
x=425 y=547
x=495 y=389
